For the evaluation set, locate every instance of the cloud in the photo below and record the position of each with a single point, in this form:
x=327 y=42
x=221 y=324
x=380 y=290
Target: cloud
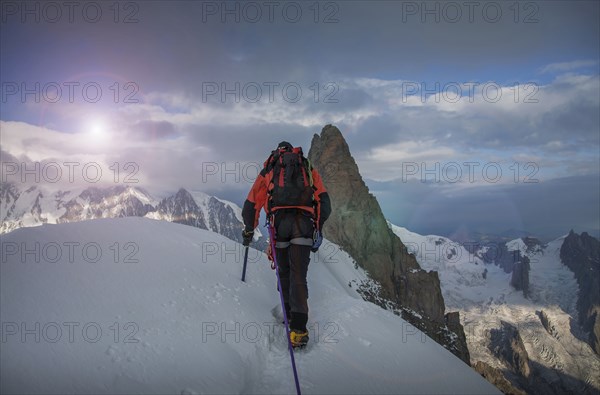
x=393 y=80
x=384 y=129
x=563 y=67
x=154 y=130
x=555 y=123
x=547 y=209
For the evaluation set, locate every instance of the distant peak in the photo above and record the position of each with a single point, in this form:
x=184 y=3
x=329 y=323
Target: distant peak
x=330 y=131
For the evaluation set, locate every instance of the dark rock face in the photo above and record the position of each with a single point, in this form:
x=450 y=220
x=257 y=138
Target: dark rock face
x=532 y=243
x=222 y=220
x=513 y=262
x=454 y=325
x=546 y=323
x=581 y=254
x=502 y=257
x=496 y=377
x=520 y=276
x=358 y=225
x=507 y=345
x=595 y=335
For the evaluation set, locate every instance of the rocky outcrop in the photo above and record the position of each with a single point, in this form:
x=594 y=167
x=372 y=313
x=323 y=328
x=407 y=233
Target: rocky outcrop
x=533 y=244
x=546 y=323
x=501 y=256
x=496 y=377
x=357 y=225
x=582 y=255
x=454 y=325
x=520 y=276
x=222 y=219
x=506 y=344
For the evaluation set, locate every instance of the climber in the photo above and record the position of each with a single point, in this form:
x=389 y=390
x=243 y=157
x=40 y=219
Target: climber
x=296 y=203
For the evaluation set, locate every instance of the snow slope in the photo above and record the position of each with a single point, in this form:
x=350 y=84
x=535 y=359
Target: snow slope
x=484 y=301
x=169 y=315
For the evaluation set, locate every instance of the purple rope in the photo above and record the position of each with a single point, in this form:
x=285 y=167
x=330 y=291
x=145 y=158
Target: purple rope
x=285 y=318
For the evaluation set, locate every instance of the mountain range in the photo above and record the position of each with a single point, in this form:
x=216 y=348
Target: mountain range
x=523 y=342
x=34 y=205
x=523 y=313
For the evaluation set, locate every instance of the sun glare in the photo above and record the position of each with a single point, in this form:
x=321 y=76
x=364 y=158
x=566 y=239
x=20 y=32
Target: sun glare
x=97 y=130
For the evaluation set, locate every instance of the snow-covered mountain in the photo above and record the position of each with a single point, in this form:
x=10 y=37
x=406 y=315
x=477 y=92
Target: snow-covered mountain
x=475 y=280
x=35 y=206
x=498 y=318
x=168 y=318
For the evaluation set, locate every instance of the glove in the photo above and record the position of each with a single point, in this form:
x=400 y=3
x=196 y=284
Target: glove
x=317 y=240
x=247 y=235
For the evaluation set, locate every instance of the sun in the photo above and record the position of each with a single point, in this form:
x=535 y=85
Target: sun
x=97 y=130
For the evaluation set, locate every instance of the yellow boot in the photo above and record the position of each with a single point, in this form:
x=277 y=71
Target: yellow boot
x=298 y=338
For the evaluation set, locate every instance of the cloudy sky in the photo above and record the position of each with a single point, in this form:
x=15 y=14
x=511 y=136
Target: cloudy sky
x=462 y=116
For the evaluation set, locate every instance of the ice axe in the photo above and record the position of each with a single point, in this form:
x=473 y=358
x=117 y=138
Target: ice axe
x=245 y=263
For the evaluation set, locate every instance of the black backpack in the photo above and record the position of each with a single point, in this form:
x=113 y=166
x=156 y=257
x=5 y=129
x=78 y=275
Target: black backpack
x=291 y=182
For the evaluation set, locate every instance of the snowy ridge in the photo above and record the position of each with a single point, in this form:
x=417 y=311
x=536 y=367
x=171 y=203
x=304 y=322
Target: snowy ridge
x=483 y=296
x=35 y=206
x=202 y=200
x=31 y=207
x=189 y=325
x=142 y=196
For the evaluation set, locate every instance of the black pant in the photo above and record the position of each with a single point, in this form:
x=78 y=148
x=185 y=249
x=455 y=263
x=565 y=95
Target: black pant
x=294 y=229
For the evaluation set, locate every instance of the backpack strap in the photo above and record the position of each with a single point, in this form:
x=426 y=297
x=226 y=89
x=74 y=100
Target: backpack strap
x=309 y=168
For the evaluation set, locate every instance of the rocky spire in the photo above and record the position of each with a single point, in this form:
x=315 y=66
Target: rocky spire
x=358 y=225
